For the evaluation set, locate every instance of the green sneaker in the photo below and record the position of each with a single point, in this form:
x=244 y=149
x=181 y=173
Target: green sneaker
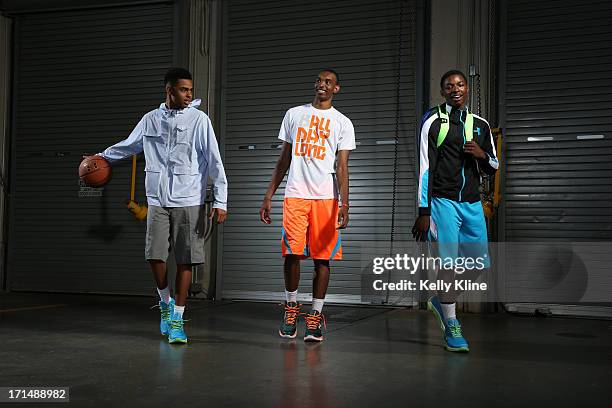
x=177 y=332
x=288 y=326
x=313 y=326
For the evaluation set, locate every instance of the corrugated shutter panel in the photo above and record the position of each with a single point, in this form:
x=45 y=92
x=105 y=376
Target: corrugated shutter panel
x=558 y=59
x=558 y=140
x=84 y=79
x=274 y=52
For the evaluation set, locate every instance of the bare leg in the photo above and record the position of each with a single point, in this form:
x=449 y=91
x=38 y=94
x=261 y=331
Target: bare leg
x=448 y=277
x=183 y=280
x=160 y=273
x=321 y=278
x=292 y=272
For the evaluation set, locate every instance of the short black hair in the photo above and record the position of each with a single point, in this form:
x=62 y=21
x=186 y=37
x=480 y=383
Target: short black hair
x=449 y=74
x=174 y=74
x=333 y=72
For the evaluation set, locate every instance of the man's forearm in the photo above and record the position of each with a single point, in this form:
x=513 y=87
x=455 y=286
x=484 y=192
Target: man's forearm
x=343 y=183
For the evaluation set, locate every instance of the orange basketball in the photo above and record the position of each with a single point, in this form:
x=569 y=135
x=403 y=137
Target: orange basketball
x=95 y=171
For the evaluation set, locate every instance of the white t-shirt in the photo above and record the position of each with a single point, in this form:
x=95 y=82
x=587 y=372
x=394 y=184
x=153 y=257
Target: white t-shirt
x=315 y=136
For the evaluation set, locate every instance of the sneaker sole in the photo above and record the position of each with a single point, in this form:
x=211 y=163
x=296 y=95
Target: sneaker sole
x=311 y=338
x=458 y=349
x=287 y=336
x=177 y=341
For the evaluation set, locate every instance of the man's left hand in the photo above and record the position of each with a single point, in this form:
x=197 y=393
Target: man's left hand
x=472 y=148
x=221 y=215
x=343 y=217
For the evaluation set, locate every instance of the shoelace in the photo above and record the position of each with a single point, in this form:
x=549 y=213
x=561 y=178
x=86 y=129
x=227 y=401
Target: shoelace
x=176 y=324
x=313 y=321
x=291 y=313
x=164 y=311
x=455 y=331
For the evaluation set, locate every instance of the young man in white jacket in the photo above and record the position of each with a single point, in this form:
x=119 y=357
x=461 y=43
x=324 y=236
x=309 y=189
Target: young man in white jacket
x=181 y=152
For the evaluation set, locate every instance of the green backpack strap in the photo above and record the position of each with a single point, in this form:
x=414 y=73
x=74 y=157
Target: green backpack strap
x=444 y=125
x=469 y=127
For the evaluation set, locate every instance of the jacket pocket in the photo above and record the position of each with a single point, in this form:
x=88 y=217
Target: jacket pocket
x=152 y=181
x=185 y=182
x=183 y=135
x=153 y=143
x=180 y=154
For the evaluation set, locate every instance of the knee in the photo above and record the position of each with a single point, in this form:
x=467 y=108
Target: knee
x=292 y=260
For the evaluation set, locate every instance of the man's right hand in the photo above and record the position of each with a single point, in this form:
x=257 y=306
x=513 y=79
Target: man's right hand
x=421 y=228
x=221 y=215
x=264 y=211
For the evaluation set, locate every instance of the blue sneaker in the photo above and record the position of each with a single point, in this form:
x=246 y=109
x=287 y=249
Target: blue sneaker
x=451 y=329
x=177 y=333
x=166 y=310
x=453 y=336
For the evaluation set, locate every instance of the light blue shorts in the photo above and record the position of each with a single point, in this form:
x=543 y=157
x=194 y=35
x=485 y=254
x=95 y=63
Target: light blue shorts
x=459 y=230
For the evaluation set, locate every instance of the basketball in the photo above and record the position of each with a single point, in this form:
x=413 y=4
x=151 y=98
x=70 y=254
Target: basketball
x=95 y=171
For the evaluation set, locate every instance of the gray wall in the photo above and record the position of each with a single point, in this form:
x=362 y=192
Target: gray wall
x=463 y=33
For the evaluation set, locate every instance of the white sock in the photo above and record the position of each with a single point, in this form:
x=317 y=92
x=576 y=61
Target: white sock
x=448 y=310
x=164 y=295
x=317 y=304
x=291 y=296
x=179 y=310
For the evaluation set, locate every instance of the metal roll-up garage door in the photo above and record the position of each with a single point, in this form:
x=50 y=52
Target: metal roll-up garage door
x=84 y=78
x=274 y=52
x=557 y=123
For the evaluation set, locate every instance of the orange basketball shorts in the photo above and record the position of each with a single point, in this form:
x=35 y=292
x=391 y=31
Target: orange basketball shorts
x=310 y=229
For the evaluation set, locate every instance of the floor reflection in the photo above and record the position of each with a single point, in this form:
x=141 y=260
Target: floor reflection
x=305 y=382
x=170 y=364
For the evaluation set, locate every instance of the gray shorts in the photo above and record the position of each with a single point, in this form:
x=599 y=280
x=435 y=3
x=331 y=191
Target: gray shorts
x=179 y=228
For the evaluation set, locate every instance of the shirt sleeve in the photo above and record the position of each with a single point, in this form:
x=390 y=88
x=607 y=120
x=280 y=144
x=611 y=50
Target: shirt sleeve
x=489 y=165
x=346 y=140
x=284 y=133
x=428 y=154
x=216 y=172
x=126 y=148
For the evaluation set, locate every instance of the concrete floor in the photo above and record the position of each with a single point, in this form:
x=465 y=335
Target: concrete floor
x=109 y=352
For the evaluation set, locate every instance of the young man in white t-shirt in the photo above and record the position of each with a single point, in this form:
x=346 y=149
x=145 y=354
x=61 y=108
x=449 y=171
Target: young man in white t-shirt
x=317 y=140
